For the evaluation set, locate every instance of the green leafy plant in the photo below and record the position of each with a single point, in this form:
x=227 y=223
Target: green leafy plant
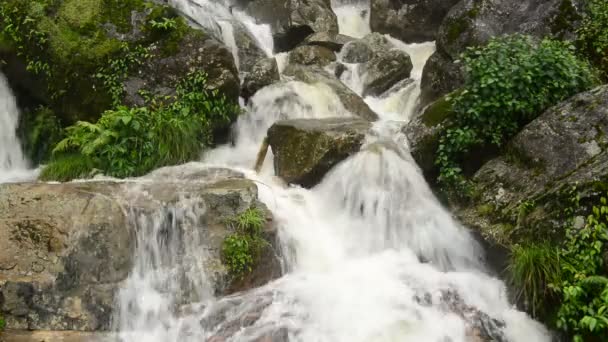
x=132 y=141
x=592 y=35
x=241 y=249
x=583 y=313
x=532 y=268
x=164 y=24
x=509 y=82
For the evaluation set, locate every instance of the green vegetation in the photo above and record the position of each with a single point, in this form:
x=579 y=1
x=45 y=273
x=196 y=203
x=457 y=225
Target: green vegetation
x=592 y=36
x=241 y=249
x=531 y=270
x=2 y=324
x=132 y=141
x=41 y=130
x=509 y=82
x=583 y=313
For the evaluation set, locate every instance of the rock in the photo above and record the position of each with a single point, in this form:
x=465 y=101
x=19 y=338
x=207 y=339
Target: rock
x=292 y=21
x=385 y=70
x=52 y=336
x=474 y=22
x=159 y=75
x=412 y=21
x=314 y=74
x=423 y=133
x=312 y=55
x=357 y=52
x=366 y=48
x=306 y=149
x=332 y=41
x=65 y=249
x=264 y=73
x=100 y=55
x=563 y=147
x=249 y=51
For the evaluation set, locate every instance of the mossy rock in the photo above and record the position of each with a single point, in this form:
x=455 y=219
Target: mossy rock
x=306 y=149
x=75 y=57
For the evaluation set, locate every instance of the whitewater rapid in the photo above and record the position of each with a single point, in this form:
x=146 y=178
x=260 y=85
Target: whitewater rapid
x=370 y=254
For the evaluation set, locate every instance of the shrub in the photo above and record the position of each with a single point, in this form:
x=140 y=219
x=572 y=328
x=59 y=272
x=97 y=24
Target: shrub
x=592 y=36
x=241 y=249
x=532 y=268
x=132 y=141
x=583 y=313
x=509 y=82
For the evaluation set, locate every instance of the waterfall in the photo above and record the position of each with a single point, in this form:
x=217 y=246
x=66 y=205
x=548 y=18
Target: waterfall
x=13 y=164
x=371 y=254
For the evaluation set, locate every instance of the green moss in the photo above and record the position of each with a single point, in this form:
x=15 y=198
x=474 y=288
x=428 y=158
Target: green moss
x=81 y=14
x=40 y=130
x=242 y=249
x=563 y=21
x=65 y=168
x=437 y=112
x=457 y=26
x=118 y=12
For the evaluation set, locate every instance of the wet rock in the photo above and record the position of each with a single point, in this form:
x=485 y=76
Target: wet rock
x=357 y=52
x=563 y=147
x=292 y=21
x=249 y=51
x=474 y=22
x=385 y=70
x=409 y=21
x=52 y=336
x=159 y=75
x=305 y=150
x=423 y=133
x=314 y=74
x=264 y=73
x=312 y=55
x=65 y=249
x=332 y=41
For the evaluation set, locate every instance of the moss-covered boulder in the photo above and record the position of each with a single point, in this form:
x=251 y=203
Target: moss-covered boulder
x=474 y=22
x=306 y=149
x=423 y=134
x=385 y=70
x=80 y=58
x=526 y=194
x=264 y=73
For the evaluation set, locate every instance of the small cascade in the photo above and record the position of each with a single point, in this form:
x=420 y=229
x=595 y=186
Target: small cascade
x=13 y=164
x=353 y=17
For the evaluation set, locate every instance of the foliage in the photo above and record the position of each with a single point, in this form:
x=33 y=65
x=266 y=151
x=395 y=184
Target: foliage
x=41 y=130
x=532 y=268
x=583 y=313
x=117 y=69
x=241 y=249
x=68 y=167
x=165 y=24
x=509 y=82
x=592 y=36
x=2 y=324
x=132 y=141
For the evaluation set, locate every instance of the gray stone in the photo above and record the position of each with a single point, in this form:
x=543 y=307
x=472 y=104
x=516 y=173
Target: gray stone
x=264 y=73
x=385 y=70
x=306 y=149
x=332 y=41
x=357 y=52
x=412 y=21
x=312 y=55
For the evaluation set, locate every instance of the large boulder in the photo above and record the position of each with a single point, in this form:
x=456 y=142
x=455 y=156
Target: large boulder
x=412 y=21
x=364 y=49
x=350 y=100
x=523 y=193
x=312 y=55
x=306 y=149
x=94 y=56
x=294 y=20
x=474 y=22
x=385 y=70
x=65 y=249
x=264 y=73
x=249 y=51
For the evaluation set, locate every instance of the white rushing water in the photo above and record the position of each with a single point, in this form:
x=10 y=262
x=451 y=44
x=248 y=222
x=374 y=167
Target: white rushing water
x=13 y=164
x=370 y=254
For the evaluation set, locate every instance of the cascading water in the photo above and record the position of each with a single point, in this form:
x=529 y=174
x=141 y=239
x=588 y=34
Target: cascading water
x=370 y=254
x=13 y=165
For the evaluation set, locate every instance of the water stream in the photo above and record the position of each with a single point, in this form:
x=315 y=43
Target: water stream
x=13 y=164
x=370 y=254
